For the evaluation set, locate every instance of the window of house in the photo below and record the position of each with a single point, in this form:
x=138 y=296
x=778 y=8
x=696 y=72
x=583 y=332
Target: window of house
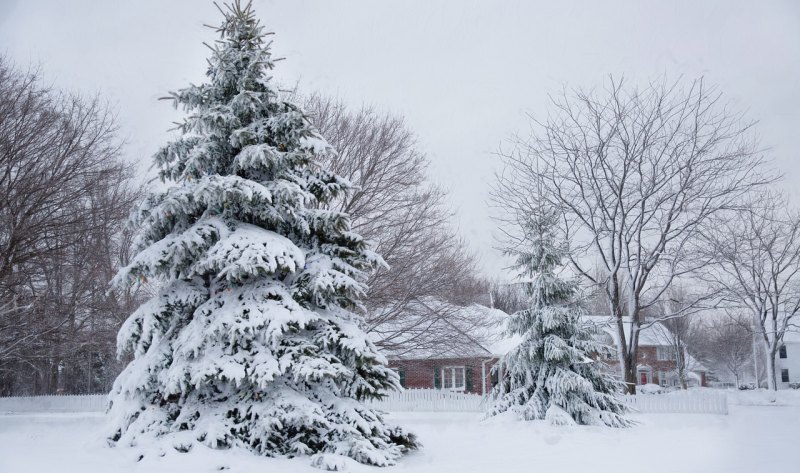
x=611 y=354
x=402 y=374
x=453 y=378
x=782 y=351
x=663 y=353
x=662 y=378
x=784 y=375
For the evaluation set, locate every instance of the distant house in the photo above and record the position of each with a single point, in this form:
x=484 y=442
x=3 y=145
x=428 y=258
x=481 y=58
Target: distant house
x=468 y=367
x=655 y=362
x=463 y=366
x=787 y=364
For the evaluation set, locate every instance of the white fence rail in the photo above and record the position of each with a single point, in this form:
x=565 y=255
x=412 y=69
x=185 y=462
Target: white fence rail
x=687 y=402
x=67 y=403
x=430 y=400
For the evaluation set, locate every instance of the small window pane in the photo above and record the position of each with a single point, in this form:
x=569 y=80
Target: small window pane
x=785 y=376
x=662 y=378
x=782 y=351
x=459 y=378
x=663 y=353
x=447 y=378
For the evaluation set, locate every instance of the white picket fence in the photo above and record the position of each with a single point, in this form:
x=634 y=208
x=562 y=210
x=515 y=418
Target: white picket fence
x=686 y=402
x=65 y=403
x=430 y=400
x=410 y=400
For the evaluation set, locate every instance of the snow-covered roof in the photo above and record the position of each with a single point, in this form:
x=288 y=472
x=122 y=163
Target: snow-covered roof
x=490 y=340
x=475 y=330
x=647 y=337
x=792 y=336
x=503 y=344
x=652 y=336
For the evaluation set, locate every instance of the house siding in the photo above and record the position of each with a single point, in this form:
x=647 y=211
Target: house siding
x=648 y=355
x=419 y=374
x=790 y=363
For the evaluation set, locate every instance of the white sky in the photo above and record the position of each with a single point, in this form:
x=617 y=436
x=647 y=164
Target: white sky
x=463 y=73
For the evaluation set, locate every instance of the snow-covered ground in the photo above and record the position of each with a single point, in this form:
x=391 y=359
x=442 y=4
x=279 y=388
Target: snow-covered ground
x=758 y=436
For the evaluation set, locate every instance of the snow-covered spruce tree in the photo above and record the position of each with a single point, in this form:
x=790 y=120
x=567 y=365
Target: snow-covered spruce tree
x=550 y=375
x=253 y=339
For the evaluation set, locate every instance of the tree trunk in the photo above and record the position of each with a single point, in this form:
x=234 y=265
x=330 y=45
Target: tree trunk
x=681 y=364
x=630 y=378
x=772 y=381
x=627 y=358
x=628 y=366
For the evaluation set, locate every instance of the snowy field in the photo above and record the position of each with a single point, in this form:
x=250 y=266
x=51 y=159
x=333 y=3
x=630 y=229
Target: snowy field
x=756 y=436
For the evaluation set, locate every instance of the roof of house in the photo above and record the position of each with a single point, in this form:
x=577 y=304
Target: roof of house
x=792 y=336
x=475 y=329
x=652 y=335
x=490 y=340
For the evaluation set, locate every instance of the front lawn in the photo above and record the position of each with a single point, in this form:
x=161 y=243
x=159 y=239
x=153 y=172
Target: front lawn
x=753 y=438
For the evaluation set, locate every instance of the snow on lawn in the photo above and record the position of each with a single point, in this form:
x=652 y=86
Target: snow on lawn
x=753 y=438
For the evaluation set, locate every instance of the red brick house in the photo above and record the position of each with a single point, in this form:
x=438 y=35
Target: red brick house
x=463 y=365
x=468 y=369
x=655 y=362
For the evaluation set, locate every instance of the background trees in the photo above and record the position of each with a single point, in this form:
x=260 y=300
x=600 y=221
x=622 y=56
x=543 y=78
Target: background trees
x=725 y=343
x=677 y=333
x=756 y=254
x=64 y=195
x=418 y=302
x=639 y=171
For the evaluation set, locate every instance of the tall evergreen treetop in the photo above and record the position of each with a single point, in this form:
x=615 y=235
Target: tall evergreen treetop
x=252 y=339
x=550 y=375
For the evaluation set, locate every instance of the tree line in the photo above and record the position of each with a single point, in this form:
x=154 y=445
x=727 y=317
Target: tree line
x=67 y=192
x=667 y=201
x=64 y=196
x=669 y=207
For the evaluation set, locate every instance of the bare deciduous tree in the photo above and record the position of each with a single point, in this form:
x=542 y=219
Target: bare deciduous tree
x=420 y=301
x=725 y=343
x=676 y=332
x=508 y=297
x=757 y=251
x=637 y=172
x=64 y=194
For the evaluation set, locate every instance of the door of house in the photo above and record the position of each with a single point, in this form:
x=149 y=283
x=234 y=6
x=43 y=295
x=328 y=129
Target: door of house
x=643 y=377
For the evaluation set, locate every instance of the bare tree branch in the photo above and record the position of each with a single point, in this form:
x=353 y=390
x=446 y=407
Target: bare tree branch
x=638 y=173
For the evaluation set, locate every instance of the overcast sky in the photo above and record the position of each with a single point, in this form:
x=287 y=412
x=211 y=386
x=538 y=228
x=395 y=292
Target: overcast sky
x=463 y=73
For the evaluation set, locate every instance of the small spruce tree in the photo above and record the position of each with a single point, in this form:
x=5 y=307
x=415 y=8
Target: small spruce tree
x=252 y=339
x=550 y=375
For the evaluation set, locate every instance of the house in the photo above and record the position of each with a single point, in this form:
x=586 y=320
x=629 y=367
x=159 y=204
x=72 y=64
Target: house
x=787 y=364
x=465 y=366
x=655 y=362
x=468 y=367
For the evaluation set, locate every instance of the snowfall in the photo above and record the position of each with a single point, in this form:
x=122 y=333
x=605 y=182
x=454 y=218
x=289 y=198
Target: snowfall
x=761 y=433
